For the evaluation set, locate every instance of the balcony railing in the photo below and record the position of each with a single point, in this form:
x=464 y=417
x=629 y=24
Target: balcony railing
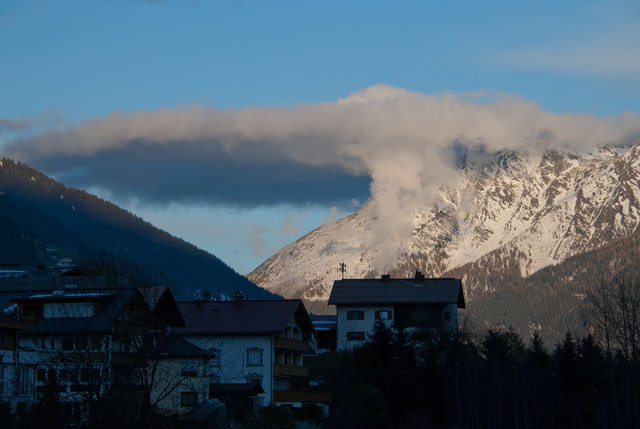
x=301 y=396
x=289 y=344
x=280 y=370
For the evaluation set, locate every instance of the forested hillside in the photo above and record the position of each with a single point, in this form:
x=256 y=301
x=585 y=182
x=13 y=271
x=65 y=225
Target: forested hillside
x=550 y=300
x=36 y=212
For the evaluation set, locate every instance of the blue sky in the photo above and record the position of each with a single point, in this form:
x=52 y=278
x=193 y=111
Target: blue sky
x=110 y=75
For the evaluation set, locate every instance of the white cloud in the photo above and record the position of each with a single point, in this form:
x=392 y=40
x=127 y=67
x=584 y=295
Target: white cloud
x=403 y=140
x=291 y=224
x=604 y=50
x=254 y=238
x=335 y=213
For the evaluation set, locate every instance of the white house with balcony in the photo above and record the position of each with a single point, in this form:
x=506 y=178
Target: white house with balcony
x=256 y=342
x=419 y=305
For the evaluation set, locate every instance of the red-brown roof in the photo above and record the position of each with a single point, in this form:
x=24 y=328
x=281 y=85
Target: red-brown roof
x=257 y=317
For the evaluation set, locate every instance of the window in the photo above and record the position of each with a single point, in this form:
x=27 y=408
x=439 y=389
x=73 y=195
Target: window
x=3 y=339
x=188 y=399
x=3 y=380
x=254 y=378
x=446 y=316
x=41 y=374
x=215 y=362
x=67 y=344
x=69 y=309
x=355 y=336
x=25 y=380
x=81 y=343
x=254 y=356
x=95 y=343
x=189 y=369
x=355 y=315
x=121 y=375
x=69 y=375
x=52 y=375
x=90 y=375
x=384 y=315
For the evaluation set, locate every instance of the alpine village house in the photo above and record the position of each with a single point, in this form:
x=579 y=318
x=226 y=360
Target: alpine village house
x=77 y=342
x=422 y=306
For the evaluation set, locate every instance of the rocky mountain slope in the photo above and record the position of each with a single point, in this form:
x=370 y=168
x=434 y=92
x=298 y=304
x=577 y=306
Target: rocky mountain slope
x=514 y=213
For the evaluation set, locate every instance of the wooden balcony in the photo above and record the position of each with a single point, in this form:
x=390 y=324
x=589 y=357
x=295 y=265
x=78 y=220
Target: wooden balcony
x=280 y=370
x=301 y=396
x=290 y=345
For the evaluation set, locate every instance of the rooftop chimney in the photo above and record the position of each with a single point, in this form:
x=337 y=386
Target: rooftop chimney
x=386 y=278
x=237 y=298
x=419 y=275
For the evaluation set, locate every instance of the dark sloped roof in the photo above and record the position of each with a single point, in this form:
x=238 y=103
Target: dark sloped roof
x=236 y=318
x=101 y=322
x=70 y=325
x=397 y=291
x=175 y=347
x=160 y=301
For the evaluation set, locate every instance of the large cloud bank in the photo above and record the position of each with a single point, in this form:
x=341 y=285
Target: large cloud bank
x=396 y=145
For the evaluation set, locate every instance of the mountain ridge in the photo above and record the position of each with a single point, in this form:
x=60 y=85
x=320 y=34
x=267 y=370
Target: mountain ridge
x=94 y=228
x=519 y=212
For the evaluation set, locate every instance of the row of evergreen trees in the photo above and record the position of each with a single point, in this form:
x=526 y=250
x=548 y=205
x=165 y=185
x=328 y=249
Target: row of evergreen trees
x=488 y=381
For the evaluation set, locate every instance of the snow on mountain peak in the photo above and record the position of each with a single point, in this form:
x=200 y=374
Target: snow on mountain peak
x=542 y=207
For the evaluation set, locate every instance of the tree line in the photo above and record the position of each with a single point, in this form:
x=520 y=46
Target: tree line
x=497 y=379
x=494 y=380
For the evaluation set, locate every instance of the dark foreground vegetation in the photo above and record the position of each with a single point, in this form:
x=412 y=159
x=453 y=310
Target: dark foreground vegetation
x=492 y=381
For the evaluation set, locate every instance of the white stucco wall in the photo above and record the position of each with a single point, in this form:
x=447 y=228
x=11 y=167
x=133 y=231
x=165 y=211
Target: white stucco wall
x=170 y=383
x=234 y=367
x=366 y=325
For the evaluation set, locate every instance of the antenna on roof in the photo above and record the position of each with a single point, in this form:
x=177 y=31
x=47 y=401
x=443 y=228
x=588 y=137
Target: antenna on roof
x=342 y=269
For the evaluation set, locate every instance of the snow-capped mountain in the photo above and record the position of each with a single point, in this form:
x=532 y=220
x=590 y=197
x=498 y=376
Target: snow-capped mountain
x=528 y=210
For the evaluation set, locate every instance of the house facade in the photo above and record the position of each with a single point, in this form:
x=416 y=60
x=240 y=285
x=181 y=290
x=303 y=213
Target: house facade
x=9 y=330
x=79 y=345
x=419 y=305
x=261 y=341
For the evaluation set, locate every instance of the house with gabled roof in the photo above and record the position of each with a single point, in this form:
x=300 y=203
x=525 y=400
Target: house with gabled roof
x=419 y=305
x=80 y=345
x=255 y=341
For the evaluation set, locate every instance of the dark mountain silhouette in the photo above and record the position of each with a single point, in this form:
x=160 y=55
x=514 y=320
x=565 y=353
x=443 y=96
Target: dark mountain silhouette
x=37 y=214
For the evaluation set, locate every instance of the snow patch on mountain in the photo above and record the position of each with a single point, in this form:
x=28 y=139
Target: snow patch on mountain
x=541 y=208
